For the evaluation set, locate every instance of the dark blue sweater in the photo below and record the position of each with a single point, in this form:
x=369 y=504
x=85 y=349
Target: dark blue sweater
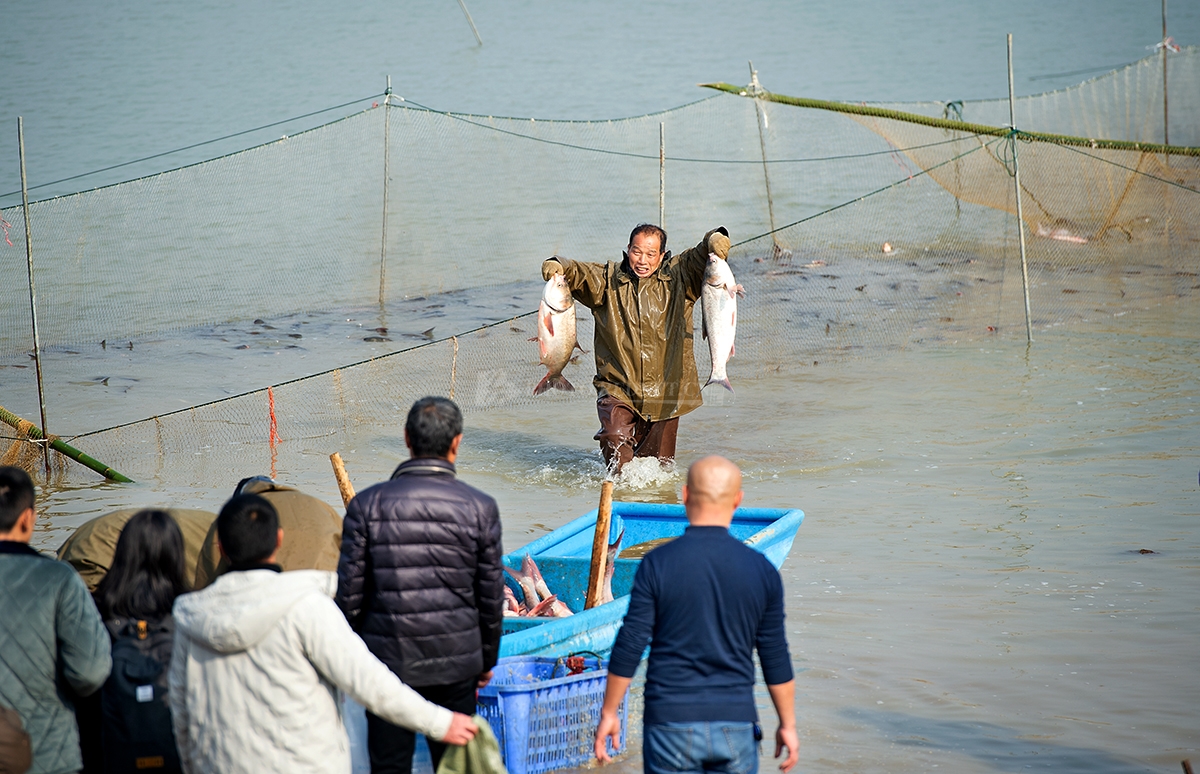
x=703 y=603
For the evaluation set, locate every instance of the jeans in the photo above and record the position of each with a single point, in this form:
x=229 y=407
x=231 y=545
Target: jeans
x=670 y=748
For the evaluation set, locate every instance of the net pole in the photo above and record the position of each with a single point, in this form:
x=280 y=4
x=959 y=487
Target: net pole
x=1012 y=120
x=37 y=349
x=1166 y=133
x=756 y=90
x=387 y=142
x=662 y=176
x=470 y=21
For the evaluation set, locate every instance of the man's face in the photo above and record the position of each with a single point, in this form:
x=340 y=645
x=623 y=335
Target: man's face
x=644 y=255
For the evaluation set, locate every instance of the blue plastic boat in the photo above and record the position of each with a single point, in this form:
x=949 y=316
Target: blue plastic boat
x=565 y=554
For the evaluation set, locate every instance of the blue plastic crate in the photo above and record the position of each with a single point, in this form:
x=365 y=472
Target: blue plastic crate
x=543 y=717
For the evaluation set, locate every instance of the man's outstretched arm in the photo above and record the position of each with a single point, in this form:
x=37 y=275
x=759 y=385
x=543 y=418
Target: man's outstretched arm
x=783 y=696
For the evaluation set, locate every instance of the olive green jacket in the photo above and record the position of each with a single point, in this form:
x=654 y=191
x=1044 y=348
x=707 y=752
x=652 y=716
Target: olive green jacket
x=644 y=339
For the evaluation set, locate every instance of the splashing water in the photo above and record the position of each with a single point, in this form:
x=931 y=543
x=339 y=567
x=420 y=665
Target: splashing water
x=648 y=473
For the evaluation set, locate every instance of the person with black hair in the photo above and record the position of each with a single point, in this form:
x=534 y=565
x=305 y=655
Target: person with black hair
x=127 y=726
x=52 y=642
x=420 y=578
x=645 y=368
x=260 y=655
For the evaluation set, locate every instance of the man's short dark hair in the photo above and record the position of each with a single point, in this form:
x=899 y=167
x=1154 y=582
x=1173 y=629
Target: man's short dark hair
x=248 y=527
x=650 y=229
x=432 y=424
x=16 y=496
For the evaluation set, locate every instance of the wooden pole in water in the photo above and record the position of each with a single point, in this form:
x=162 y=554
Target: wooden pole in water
x=470 y=21
x=343 y=480
x=662 y=176
x=599 y=546
x=11 y=419
x=37 y=349
x=387 y=142
x=756 y=91
x=1012 y=121
x=1166 y=134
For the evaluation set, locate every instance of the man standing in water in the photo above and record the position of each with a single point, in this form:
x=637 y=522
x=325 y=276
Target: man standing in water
x=645 y=367
x=704 y=603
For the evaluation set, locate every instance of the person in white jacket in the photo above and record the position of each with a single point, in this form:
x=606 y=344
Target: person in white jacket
x=258 y=659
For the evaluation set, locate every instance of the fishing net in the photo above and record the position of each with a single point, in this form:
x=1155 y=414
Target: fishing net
x=357 y=266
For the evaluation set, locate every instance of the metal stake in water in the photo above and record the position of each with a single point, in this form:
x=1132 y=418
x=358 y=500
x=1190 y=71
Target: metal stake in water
x=662 y=176
x=1166 y=134
x=37 y=349
x=756 y=91
x=387 y=142
x=1012 y=122
x=470 y=21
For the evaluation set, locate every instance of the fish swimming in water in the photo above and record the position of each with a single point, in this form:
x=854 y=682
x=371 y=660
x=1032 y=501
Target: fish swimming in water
x=719 y=302
x=1061 y=232
x=556 y=334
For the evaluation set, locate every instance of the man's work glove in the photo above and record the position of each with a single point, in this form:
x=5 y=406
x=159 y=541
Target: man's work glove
x=551 y=266
x=718 y=243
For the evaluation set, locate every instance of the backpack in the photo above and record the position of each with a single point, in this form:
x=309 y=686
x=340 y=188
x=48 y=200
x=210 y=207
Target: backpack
x=136 y=731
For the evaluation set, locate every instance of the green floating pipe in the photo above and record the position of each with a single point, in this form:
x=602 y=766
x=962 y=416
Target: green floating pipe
x=14 y=421
x=958 y=126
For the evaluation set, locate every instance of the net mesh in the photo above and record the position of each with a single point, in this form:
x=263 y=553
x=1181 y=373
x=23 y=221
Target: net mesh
x=853 y=235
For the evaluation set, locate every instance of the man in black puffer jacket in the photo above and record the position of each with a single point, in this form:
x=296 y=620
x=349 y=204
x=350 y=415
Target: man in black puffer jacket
x=420 y=578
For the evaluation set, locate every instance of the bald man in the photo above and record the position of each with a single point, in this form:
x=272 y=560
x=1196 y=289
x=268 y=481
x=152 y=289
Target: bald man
x=703 y=603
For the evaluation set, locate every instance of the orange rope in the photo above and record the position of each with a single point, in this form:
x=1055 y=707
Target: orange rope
x=274 y=434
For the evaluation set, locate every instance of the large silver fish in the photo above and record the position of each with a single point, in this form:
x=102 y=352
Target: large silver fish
x=610 y=569
x=719 y=302
x=556 y=334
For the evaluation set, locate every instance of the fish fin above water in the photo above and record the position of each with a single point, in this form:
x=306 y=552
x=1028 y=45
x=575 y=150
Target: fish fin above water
x=739 y=290
x=732 y=350
x=548 y=321
x=580 y=348
x=723 y=382
x=556 y=381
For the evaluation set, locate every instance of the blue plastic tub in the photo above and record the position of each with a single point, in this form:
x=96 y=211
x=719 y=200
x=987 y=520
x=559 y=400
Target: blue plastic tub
x=543 y=717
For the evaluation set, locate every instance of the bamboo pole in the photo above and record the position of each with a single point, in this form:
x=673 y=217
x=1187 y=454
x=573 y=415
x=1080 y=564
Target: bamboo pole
x=599 y=547
x=339 y=472
x=957 y=126
x=1166 y=134
x=1017 y=182
x=14 y=421
x=387 y=143
x=37 y=349
x=662 y=176
x=470 y=21
x=760 y=112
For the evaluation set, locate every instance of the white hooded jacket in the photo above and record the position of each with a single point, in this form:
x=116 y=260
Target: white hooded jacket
x=257 y=661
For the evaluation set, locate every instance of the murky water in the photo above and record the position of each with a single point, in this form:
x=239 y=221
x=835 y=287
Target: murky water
x=1000 y=565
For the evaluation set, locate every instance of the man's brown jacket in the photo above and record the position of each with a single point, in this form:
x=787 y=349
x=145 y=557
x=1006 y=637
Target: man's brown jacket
x=644 y=338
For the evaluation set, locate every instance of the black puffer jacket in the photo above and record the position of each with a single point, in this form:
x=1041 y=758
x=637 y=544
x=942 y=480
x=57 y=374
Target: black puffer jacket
x=420 y=577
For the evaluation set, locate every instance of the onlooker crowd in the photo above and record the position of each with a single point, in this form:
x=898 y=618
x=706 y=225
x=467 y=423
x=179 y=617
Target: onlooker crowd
x=243 y=673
